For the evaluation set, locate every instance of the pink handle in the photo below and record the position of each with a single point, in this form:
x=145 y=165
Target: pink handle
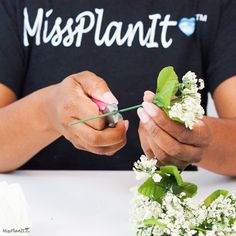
x=105 y=108
x=101 y=105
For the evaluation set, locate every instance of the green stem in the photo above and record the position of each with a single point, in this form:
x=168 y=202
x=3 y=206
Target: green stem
x=181 y=171
x=130 y=108
x=106 y=114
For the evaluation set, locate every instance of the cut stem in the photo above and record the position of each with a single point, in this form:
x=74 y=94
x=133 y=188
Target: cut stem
x=106 y=114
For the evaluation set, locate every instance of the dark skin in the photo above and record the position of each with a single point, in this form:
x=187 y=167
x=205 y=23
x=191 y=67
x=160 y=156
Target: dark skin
x=25 y=131
x=170 y=141
x=208 y=145
x=29 y=124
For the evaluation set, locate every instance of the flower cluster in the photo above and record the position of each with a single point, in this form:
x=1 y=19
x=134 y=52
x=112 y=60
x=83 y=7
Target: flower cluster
x=187 y=108
x=174 y=212
x=144 y=168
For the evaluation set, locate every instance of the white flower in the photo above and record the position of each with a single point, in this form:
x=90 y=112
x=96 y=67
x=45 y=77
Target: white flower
x=202 y=84
x=141 y=175
x=189 y=109
x=145 y=165
x=143 y=208
x=178 y=215
x=157 y=178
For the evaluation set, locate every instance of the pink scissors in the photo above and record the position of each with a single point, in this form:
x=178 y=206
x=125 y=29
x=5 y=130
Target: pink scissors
x=107 y=108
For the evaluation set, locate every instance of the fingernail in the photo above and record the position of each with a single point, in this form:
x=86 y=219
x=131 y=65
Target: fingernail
x=148 y=96
x=143 y=115
x=126 y=125
x=110 y=98
x=150 y=109
x=148 y=92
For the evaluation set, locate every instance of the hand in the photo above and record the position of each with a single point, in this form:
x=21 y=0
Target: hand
x=169 y=141
x=70 y=101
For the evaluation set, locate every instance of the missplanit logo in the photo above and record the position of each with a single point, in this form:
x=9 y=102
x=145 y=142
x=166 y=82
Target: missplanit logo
x=59 y=31
x=188 y=25
x=16 y=231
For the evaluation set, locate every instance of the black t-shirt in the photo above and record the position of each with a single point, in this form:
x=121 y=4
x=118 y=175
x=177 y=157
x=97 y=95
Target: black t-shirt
x=126 y=42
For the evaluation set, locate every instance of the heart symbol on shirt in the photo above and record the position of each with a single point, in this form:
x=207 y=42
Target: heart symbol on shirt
x=187 y=25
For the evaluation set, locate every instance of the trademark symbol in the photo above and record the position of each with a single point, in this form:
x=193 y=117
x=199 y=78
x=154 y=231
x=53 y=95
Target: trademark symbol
x=201 y=17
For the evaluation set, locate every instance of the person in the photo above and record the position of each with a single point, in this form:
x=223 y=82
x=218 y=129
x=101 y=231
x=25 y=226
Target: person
x=55 y=55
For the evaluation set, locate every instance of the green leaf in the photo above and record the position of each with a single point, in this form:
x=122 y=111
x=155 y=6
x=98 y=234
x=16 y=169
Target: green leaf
x=165 y=75
x=178 y=120
x=167 y=86
x=152 y=190
x=189 y=188
x=172 y=170
x=171 y=181
x=211 y=198
x=163 y=98
x=232 y=220
x=154 y=222
x=200 y=230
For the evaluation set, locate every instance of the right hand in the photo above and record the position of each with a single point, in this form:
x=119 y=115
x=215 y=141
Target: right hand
x=71 y=101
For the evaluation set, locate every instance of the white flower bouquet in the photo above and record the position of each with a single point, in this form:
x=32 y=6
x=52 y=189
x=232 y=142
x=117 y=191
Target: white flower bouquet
x=163 y=205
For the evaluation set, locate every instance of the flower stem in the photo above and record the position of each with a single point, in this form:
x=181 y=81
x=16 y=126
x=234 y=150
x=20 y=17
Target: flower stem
x=106 y=114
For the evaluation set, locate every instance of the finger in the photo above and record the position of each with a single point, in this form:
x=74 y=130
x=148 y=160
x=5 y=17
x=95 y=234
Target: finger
x=95 y=87
x=173 y=161
x=158 y=152
x=110 y=150
x=144 y=143
x=148 y=96
x=84 y=108
x=152 y=151
x=106 y=137
x=197 y=136
x=163 y=158
x=167 y=143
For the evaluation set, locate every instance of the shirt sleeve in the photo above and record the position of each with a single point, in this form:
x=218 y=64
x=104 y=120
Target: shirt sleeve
x=11 y=48
x=222 y=56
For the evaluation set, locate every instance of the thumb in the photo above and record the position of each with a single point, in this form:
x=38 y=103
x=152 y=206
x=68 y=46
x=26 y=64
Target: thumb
x=95 y=87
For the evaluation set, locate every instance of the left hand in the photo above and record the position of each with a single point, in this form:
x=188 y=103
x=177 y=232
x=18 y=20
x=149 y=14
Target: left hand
x=169 y=141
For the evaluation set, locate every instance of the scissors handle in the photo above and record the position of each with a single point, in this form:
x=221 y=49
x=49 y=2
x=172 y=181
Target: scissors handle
x=106 y=108
x=101 y=105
